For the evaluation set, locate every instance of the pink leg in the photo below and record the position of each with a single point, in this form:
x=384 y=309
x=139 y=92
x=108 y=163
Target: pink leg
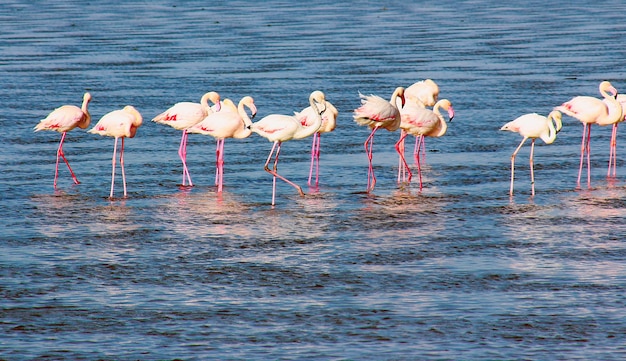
x=122 y=166
x=613 y=152
x=220 y=165
x=113 y=168
x=582 y=153
x=513 y=164
x=217 y=161
x=369 y=143
x=317 y=158
x=532 y=167
x=274 y=171
x=62 y=155
x=182 y=153
x=419 y=165
x=589 y=156
x=313 y=145
x=403 y=166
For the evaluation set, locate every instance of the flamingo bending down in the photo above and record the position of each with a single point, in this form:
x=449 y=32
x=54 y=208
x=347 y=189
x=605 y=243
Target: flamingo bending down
x=533 y=126
x=307 y=118
x=590 y=110
x=421 y=122
x=63 y=119
x=279 y=128
x=230 y=122
x=121 y=123
x=183 y=115
x=376 y=112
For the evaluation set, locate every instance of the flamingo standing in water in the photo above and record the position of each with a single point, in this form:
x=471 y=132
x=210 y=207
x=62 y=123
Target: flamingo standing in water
x=279 y=128
x=533 y=126
x=423 y=93
x=183 y=115
x=229 y=122
x=376 y=113
x=63 y=119
x=590 y=110
x=121 y=123
x=308 y=117
x=421 y=122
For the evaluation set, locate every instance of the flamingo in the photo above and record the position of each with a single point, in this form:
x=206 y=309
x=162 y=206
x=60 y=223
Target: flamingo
x=63 y=119
x=423 y=93
x=533 y=126
x=279 y=128
x=307 y=118
x=422 y=122
x=376 y=113
x=230 y=122
x=183 y=115
x=590 y=110
x=122 y=123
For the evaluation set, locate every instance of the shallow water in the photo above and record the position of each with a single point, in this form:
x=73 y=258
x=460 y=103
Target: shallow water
x=459 y=270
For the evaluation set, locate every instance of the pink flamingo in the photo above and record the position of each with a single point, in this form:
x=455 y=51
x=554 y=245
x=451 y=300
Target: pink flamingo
x=279 y=128
x=590 y=110
x=421 y=122
x=423 y=93
x=533 y=126
x=183 y=115
x=307 y=117
x=63 y=119
x=376 y=112
x=121 y=123
x=230 y=122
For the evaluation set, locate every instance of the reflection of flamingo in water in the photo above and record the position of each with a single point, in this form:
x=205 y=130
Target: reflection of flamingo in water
x=63 y=119
x=423 y=93
x=183 y=115
x=533 y=126
x=308 y=117
x=376 y=113
x=121 y=123
x=590 y=110
x=421 y=122
x=229 y=122
x=279 y=128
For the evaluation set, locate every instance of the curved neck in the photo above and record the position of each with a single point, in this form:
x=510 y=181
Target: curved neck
x=304 y=132
x=247 y=122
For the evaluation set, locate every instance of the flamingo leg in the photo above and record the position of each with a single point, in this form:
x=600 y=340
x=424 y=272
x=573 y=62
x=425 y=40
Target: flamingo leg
x=182 y=153
x=122 y=167
x=532 y=167
x=613 y=152
x=513 y=164
x=582 y=153
x=419 y=164
x=274 y=171
x=113 y=168
x=589 y=156
x=315 y=158
x=404 y=165
x=219 y=174
x=369 y=143
x=60 y=154
x=401 y=145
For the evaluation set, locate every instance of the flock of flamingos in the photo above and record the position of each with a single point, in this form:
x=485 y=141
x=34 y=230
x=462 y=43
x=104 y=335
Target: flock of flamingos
x=406 y=110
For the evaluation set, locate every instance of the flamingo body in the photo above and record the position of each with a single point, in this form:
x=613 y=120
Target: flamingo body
x=122 y=123
x=533 y=126
x=424 y=93
x=63 y=119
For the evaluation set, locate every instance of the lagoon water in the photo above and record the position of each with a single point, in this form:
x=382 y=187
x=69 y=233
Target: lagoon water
x=457 y=271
